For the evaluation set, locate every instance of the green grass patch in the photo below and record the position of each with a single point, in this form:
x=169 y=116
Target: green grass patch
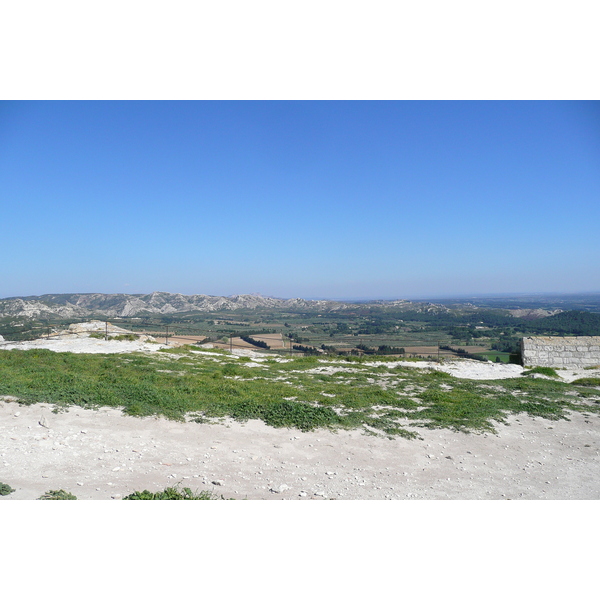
x=503 y=357
x=547 y=371
x=185 y=349
x=587 y=381
x=389 y=399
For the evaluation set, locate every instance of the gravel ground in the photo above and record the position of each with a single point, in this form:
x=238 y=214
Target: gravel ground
x=104 y=454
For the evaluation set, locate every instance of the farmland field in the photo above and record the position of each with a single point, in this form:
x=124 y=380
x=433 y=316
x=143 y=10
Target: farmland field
x=427 y=330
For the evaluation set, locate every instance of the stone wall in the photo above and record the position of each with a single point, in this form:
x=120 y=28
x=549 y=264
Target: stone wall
x=542 y=351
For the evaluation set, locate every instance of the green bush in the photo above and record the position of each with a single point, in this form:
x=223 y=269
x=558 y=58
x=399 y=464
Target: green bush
x=170 y=493
x=5 y=489
x=57 y=495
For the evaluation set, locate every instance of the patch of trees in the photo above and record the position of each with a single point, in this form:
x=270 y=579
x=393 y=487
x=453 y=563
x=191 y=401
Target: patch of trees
x=306 y=349
x=512 y=345
x=296 y=338
x=373 y=329
x=257 y=343
x=254 y=332
x=489 y=318
x=383 y=349
x=341 y=328
x=326 y=348
x=572 y=322
x=462 y=333
x=376 y=326
x=18 y=332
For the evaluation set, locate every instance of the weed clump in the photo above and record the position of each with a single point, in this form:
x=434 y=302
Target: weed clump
x=285 y=413
x=171 y=493
x=547 y=371
x=57 y=495
x=125 y=337
x=185 y=349
x=5 y=489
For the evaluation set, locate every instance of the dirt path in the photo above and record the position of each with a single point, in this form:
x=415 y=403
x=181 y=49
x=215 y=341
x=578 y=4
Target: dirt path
x=103 y=454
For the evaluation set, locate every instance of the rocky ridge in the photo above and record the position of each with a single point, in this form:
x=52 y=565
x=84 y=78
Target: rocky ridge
x=130 y=305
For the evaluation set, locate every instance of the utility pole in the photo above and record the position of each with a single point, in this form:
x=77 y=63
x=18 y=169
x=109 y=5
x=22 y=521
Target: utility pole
x=106 y=331
x=231 y=343
x=167 y=335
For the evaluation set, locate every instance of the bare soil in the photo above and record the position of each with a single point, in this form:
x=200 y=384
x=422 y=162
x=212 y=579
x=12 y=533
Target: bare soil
x=182 y=340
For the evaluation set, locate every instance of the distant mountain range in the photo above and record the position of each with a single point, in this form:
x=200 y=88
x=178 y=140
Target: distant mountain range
x=131 y=305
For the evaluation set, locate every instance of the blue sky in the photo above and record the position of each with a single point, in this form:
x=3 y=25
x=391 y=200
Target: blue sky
x=327 y=199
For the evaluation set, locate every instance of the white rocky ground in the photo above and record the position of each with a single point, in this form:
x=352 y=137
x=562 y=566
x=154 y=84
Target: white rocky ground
x=76 y=339
x=104 y=454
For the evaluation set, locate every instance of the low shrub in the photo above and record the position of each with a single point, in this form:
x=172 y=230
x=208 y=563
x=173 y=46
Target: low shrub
x=170 y=493
x=125 y=337
x=5 y=489
x=57 y=495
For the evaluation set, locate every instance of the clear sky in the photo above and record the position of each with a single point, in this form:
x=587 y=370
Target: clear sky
x=314 y=199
